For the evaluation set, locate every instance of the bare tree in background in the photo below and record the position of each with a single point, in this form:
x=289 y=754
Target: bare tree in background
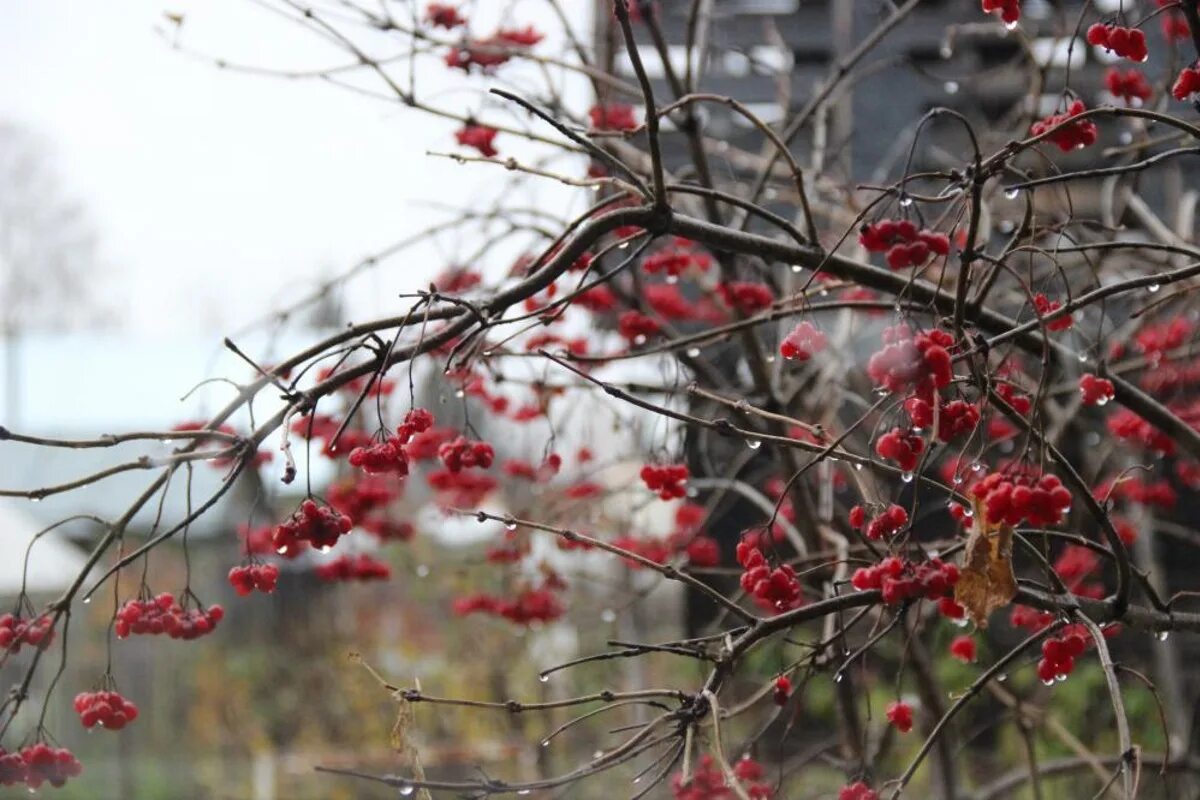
x=47 y=251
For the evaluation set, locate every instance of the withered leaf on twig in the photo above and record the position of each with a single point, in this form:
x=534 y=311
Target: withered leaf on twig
x=987 y=581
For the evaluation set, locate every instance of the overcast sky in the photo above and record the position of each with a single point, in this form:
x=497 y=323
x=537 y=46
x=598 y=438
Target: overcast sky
x=214 y=192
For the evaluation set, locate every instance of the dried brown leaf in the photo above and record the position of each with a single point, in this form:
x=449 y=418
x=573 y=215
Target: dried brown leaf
x=987 y=581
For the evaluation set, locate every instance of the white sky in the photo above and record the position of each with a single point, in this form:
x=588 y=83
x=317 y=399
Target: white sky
x=214 y=192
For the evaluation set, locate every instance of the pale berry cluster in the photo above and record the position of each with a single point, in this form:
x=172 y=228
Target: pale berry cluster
x=1187 y=84
x=613 y=117
x=1130 y=85
x=707 y=782
x=1059 y=654
x=319 y=526
x=775 y=589
x=361 y=567
x=954 y=419
x=162 y=614
x=463 y=453
x=900 y=715
x=1015 y=498
x=667 y=480
x=1096 y=391
x=803 y=342
x=746 y=296
x=903 y=447
x=245 y=579
x=680 y=257
x=920 y=362
x=883 y=526
x=860 y=790
x=905 y=244
x=38 y=764
x=1125 y=42
x=107 y=709
x=1068 y=135
x=480 y=137
x=963 y=648
x=16 y=631
x=1045 y=306
x=901 y=580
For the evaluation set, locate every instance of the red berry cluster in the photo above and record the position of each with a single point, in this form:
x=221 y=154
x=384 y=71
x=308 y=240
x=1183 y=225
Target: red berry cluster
x=920 y=362
x=523 y=470
x=703 y=551
x=950 y=609
x=1129 y=426
x=677 y=259
x=15 y=631
x=954 y=419
x=361 y=567
x=1059 y=654
x=107 y=709
x=773 y=589
x=613 y=117
x=535 y=604
x=457 y=279
x=1187 y=84
x=859 y=790
x=803 y=342
x=479 y=137
x=782 y=690
x=38 y=764
x=246 y=579
x=1158 y=493
x=905 y=244
x=669 y=302
x=746 y=296
x=1067 y=135
x=648 y=547
x=900 y=715
x=319 y=526
x=492 y=51
x=963 y=648
x=1096 y=391
x=444 y=15
x=1130 y=85
x=12 y=768
x=1125 y=42
x=1045 y=306
x=1016 y=498
x=901 y=446
x=707 y=782
x=667 y=480
x=391 y=455
x=162 y=614
x=462 y=453
x=901 y=580
x=889 y=522
x=1010 y=10
x=636 y=327
x=460 y=489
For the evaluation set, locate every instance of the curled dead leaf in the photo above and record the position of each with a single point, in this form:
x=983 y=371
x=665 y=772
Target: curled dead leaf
x=986 y=582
